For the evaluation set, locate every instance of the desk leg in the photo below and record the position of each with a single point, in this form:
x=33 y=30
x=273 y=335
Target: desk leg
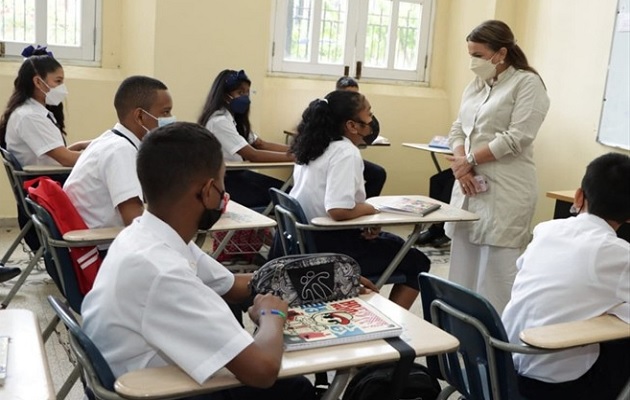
x=399 y=256
x=223 y=243
x=435 y=162
x=337 y=385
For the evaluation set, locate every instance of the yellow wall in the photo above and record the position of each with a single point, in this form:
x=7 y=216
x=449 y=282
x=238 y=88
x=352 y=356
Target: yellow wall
x=185 y=43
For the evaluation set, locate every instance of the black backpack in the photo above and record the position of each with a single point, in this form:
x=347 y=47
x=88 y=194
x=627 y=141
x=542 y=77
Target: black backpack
x=373 y=383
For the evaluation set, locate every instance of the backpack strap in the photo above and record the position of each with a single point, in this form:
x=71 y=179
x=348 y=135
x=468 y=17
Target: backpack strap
x=403 y=366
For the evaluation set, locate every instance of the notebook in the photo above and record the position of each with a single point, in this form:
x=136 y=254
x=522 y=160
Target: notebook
x=407 y=205
x=439 y=142
x=336 y=322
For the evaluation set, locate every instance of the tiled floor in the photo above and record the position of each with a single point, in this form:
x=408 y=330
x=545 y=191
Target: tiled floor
x=38 y=286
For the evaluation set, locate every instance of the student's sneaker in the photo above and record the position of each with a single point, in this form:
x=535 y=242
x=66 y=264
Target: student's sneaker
x=441 y=241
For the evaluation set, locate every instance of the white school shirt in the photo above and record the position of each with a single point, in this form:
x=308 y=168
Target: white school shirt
x=31 y=134
x=105 y=176
x=333 y=180
x=156 y=301
x=221 y=123
x=506 y=117
x=574 y=269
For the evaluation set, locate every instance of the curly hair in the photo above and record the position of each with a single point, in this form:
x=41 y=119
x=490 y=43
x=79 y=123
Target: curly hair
x=323 y=121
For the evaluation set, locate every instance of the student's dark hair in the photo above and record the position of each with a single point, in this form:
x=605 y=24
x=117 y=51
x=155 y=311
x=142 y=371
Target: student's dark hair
x=136 y=92
x=40 y=63
x=496 y=34
x=346 y=82
x=172 y=157
x=323 y=122
x=606 y=186
x=227 y=81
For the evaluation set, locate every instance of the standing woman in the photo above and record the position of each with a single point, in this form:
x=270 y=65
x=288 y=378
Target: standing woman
x=328 y=181
x=226 y=115
x=492 y=140
x=32 y=127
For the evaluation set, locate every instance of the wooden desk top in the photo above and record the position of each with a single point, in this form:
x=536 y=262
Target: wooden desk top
x=237 y=217
x=237 y=165
x=28 y=376
x=47 y=169
x=426 y=147
x=578 y=333
x=425 y=338
x=446 y=213
x=562 y=195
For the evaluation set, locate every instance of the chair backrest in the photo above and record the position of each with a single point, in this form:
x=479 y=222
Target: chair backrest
x=100 y=377
x=13 y=167
x=478 y=370
x=290 y=217
x=58 y=262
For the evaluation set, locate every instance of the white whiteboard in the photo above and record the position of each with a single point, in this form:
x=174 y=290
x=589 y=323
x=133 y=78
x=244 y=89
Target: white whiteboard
x=614 y=125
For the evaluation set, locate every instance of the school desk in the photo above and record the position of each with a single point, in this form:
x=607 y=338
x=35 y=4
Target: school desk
x=47 y=169
x=446 y=213
x=430 y=149
x=423 y=337
x=28 y=376
x=236 y=217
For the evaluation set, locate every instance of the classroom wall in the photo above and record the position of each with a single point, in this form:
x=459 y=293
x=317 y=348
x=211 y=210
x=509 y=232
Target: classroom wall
x=185 y=43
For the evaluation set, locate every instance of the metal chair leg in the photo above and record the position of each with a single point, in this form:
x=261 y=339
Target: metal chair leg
x=23 y=277
x=50 y=328
x=69 y=383
x=16 y=242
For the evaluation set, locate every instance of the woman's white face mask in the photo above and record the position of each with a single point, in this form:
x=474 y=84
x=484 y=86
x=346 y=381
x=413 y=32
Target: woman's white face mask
x=55 y=95
x=485 y=69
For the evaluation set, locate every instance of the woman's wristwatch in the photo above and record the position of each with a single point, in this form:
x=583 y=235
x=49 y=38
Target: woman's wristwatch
x=470 y=159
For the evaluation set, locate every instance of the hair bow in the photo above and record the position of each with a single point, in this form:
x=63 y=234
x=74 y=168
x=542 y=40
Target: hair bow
x=235 y=78
x=36 y=51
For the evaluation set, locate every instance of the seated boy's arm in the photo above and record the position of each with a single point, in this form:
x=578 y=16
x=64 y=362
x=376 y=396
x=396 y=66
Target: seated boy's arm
x=259 y=364
x=240 y=291
x=130 y=209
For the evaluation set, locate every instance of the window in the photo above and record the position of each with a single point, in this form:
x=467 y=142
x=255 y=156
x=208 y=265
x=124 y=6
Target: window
x=388 y=38
x=68 y=27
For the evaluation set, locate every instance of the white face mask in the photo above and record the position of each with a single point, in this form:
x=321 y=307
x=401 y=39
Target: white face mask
x=162 y=121
x=484 y=69
x=55 y=95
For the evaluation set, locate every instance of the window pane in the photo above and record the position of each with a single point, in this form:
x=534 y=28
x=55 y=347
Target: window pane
x=64 y=22
x=333 y=31
x=409 y=18
x=377 y=33
x=17 y=23
x=299 y=30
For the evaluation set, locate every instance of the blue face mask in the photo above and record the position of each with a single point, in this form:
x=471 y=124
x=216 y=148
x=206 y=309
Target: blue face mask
x=240 y=104
x=162 y=121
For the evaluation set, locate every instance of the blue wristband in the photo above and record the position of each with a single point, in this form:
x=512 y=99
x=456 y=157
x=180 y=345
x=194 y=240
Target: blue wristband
x=273 y=311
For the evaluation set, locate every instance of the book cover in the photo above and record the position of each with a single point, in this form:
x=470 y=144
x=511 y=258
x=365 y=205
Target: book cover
x=336 y=322
x=406 y=205
x=439 y=142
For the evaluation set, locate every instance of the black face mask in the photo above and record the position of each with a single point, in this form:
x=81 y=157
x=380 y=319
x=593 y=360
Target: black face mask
x=376 y=128
x=208 y=219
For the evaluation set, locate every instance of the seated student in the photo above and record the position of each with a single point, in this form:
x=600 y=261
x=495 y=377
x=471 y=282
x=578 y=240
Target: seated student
x=160 y=300
x=226 y=115
x=328 y=181
x=373 y=174
x=576 y=269
x=104 y=186
x=32 y=126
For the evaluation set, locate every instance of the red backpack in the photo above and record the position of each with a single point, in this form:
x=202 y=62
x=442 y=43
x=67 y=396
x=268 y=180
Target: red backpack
x=48 y=193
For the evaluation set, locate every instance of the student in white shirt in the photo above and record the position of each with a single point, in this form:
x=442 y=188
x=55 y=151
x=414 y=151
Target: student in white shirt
x=32 y=127
x=328 y=181
x=492 y=138
x=576 y=269
x=373 y=174
x=104 y=186
x=226 y=114
x=160 y=300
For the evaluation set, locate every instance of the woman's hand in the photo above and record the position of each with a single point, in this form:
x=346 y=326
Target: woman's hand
x=366 y=286
x=469 y=184
x=79 y=146
x=459 y=165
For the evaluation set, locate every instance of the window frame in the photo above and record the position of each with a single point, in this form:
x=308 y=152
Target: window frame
x=89 y=50
x=356 y=28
